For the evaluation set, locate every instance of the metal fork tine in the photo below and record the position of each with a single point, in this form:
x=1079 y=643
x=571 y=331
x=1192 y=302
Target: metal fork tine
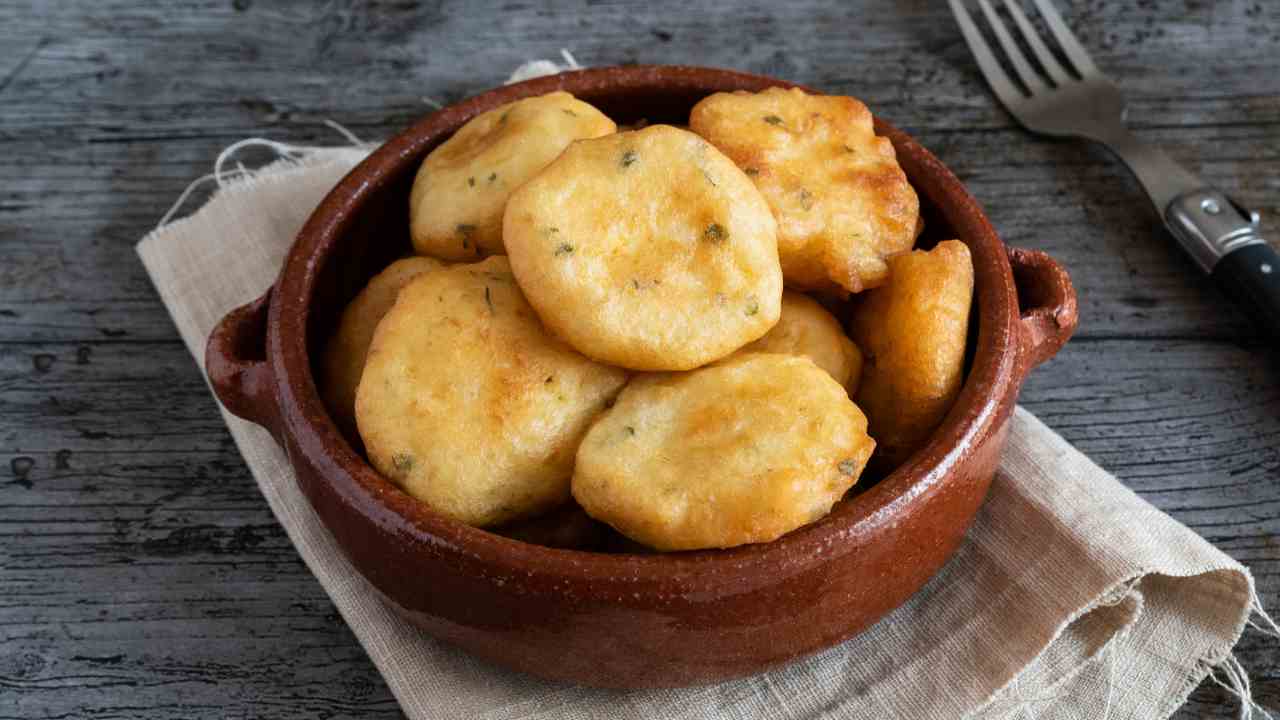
x=1029 y=34
x=1028 y=74
x=987 y=63
x=1072 y=47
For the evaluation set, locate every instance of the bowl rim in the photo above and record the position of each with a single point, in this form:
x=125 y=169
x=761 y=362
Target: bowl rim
x=306 y=421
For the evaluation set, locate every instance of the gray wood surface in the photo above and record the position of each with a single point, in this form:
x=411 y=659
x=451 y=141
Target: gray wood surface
x=141 y=574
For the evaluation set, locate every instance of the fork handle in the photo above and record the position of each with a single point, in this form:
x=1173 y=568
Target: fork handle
x=1223 y=239
x=1252 y=276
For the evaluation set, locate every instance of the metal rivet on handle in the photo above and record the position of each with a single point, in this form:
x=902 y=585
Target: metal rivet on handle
x=1210 y=206
x=1265 y=268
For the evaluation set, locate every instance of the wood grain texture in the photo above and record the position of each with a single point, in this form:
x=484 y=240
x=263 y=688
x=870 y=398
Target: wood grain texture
x=142 y=575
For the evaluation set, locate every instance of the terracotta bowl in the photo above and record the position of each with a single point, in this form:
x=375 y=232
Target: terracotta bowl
x=631 y=620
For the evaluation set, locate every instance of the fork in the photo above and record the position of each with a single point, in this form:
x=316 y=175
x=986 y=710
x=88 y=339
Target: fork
x=1074 y=99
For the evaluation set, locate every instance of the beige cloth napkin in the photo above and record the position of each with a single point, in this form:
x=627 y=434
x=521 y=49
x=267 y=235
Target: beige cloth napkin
x=1071 y=597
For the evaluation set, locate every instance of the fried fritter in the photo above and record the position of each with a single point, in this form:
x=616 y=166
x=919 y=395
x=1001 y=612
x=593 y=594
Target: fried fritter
x=737 y=452
x=469 y=405
x=913 y=333
x=842 y=203
x=455 y=208
x=344 y=355
x=805 y=328
x=649 y=250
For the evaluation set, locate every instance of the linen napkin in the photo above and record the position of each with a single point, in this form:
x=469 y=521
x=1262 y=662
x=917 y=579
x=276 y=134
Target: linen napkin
x=1070 y=598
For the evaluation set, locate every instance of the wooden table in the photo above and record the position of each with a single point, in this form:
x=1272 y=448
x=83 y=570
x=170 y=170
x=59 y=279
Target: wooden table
x=141 y=574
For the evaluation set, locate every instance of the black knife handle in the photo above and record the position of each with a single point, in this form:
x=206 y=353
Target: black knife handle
x=1222 y=237
x=1251 y=275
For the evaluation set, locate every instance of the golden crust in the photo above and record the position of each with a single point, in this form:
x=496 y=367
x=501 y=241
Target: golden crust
x=455 y=207
x=738 y=452
x=649 y=250
x=805 y=328
x=913 y=332
x=842 y=203
x=344 y=355
x=469 y=405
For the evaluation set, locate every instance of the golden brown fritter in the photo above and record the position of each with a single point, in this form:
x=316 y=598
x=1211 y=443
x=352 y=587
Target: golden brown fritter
x=737 y=452
x=469 y=405
x=343 y=361
x=649 y=250
x=913 y=333
x=455 y=208
x=805 y=328
x=842 y=203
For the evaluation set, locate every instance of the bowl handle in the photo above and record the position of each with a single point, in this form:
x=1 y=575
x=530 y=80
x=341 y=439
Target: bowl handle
x=236 y=361
x=1047 y=303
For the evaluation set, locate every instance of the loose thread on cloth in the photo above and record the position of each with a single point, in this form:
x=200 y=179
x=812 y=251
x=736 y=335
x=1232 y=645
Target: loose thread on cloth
x=1236 y=681
x=1237 y=684
x=1024 y=708
x=539 y=68
x=286 y=152
x=1228 y=672
x=289 y=152
x=1111 y=680
x=1237 y=677
x=1266 y=625
x=1123 y=591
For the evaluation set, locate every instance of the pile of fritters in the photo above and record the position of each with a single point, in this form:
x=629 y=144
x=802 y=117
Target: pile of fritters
x=594 y=347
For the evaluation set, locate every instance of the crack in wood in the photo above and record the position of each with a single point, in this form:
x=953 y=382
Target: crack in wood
x=8 y=79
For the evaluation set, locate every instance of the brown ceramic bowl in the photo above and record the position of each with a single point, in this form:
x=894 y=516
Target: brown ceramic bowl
x=631 y=620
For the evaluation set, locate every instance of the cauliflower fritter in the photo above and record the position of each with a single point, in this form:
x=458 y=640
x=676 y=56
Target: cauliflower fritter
x=913 y=333
x=805 y=328
x=842 y=203
x=469 y=405
x=742 y=451
x=649 y=250
x=344 y=355
x=455 y=207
